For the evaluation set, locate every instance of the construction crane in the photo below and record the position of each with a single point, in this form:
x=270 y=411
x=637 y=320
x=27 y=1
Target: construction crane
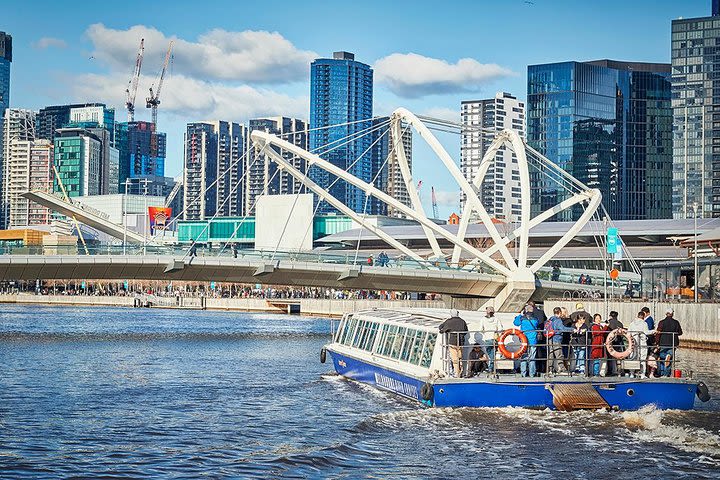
x=436 y=214
x=131 y=90
x=154 y=99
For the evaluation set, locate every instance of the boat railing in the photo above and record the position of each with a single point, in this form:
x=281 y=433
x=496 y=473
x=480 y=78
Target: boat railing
x=581 y=353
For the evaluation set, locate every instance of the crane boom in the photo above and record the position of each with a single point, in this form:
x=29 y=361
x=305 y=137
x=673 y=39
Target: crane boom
x=154 y=99
x=131 y=90
x=436 y=214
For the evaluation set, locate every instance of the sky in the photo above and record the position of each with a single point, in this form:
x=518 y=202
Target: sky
x=236 y=60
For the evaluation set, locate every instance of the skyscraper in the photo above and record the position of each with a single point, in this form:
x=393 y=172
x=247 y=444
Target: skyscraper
x=100 y=121
x=78 y=159
x=695 y=103
x=386 y=174
x=481 y=120
x=608 y=124
x=142 y=150
x=18 y=133
x=49 y=119
x=213 y=183
x=263 y=176
x=5 y=60
x=341 y=94
x=29 y=167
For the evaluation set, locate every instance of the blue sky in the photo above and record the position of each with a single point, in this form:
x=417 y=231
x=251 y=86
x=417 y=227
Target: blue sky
x=235 y=59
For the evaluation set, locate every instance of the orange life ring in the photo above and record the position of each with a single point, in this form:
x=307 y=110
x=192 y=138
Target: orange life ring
x=612 y=336
x=523 y=343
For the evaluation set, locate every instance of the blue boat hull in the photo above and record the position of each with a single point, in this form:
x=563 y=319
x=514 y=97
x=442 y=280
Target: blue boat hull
x=623 y=394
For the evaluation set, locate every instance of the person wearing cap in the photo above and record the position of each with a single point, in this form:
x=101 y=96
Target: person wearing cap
x=667 y=339
x=490 y=329
x=477 y=361
x=529 y=326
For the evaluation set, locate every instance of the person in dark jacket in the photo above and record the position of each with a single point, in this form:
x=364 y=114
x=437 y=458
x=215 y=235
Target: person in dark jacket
x=578 y=342
x=618 y=344
x=477 y=361
x=542 y=352
x=667 y=339
x=455 y=329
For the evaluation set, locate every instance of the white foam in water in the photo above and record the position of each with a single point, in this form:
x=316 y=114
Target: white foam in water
x=647 y=425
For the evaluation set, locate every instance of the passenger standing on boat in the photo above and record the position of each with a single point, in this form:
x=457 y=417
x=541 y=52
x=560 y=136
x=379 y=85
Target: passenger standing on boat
x=455 y=329
x=580 y=312
x=598 y=331
x=578 y=342
x=554 y=329
x=529 y=326
x=477 y=361
x=618 y=344
x=541 y=354
x=567 y=321
x=490 y=327
x=668 y=339
x=640 y=332
x=650 y=321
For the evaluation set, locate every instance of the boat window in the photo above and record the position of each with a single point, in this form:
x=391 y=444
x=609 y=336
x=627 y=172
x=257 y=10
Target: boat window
x=428 y=350
x=361 y=333
x=350 y=331
x=389 y=340
x=370 y=338
x=407 y=344
x=397 y=343
x=341 y=328
x=416 y=350
x=382 y=332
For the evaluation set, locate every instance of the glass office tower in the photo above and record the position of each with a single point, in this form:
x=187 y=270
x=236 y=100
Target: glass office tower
x=341 y=93
x=609 y=124
x=5 y=60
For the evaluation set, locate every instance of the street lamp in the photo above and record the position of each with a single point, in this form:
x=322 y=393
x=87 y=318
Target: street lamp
x=695 y=250
x=124 y=213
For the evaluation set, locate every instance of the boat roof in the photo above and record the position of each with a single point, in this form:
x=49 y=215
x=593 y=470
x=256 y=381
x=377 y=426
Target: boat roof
x=427 y=318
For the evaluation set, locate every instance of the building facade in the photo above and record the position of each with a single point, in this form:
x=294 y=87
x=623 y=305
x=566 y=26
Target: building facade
x=78 y=158
x=213 y=174
x=609 y=124
x=263 y=177
x=18 y=133
x=142 y=150
x=341 y=97
x=386 y=174
x=51 y=118
x=481 y=120
x=696 y=116
x=5 y=61
x=28 y=167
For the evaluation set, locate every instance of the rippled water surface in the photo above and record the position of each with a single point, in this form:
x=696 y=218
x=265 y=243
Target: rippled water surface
x=121 y=393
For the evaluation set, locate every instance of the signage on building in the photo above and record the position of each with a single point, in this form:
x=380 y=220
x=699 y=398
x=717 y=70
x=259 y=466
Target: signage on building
x=612 y=240
x=159 y=218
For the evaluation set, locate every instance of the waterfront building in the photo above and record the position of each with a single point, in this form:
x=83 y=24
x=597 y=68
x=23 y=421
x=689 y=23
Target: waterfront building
x=481 y=120
x=386 y=174
x=142 y=150
x=696 y=125
x=341 y=93
x=28 y=166
x=5 y=60
x=78 y=159
x=609 y=124
x=263 y=176
x=213 y=169
x=53 y=117
x=18 y=132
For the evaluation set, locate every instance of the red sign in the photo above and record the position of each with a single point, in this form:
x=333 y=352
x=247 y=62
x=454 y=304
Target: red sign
x=159 y=218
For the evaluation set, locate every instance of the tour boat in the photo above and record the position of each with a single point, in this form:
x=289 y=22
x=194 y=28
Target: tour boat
x=402 y=351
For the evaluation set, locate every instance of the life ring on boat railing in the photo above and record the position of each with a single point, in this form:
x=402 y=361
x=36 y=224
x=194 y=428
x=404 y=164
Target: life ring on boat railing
x=323 y=355
x=426 y=392
x=702 y=392
x=613 y=336
x=523 y=343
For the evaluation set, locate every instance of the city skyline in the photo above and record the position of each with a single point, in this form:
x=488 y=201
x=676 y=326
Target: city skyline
x=216 y=75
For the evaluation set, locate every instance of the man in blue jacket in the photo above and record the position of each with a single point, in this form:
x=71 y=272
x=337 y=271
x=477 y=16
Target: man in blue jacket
x=529 y=326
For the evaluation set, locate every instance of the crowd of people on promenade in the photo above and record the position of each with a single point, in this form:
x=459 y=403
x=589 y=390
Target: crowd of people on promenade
x=565 y=343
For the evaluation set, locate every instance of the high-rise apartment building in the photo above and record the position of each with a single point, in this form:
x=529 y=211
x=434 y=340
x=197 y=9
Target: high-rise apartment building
x=28 y=166
x=263 y=177
x=696 y=116
x=386 y=174
x=78 y=159
x=481 y=120
x=341 y=95
x=213 y=183
x=18 y=132
x=609 y=124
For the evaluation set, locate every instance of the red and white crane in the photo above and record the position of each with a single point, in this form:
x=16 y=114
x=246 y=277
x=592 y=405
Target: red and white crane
x=131 y=90
x=154 y=99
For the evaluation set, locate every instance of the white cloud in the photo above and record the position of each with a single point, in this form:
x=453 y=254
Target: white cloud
x=247 y=56
x=411 y=75
x=448 y=199
x=192 y=99
x=443 y=113
x=47 y=42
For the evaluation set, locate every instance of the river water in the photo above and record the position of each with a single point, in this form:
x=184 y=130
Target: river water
x=121 y=393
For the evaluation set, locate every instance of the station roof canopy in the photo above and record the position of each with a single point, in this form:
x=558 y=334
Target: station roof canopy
x=632 y=232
